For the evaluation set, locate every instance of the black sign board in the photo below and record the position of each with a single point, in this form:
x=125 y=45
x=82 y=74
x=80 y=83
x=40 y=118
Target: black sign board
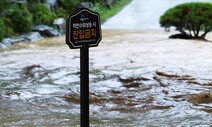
x=83 y=28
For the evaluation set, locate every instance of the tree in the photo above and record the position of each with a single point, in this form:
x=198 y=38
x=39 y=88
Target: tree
x=41 y=14
x=4 y=4
x=2 y=29
x=66 y=7
x=189 y=18
x=5 y=30
x=18 y=18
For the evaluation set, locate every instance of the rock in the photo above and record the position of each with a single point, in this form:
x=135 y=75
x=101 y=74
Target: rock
x=60 y=23
x=18 y=1
x=6 y=41
x=13 y=40
x=33 y=36
x=85 y=5
x=46 y=31
x=2 y=46
x=51 y=4
x=109 y=3
x=23 y=38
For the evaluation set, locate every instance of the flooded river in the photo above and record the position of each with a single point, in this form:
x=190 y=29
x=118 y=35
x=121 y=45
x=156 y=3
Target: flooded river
x=137 y=78
x=143 y=14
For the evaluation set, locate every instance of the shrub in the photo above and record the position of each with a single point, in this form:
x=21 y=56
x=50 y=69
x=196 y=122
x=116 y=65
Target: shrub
x=66 y=7
x=2 y=26
x=18 y=18
x=42 y=14
x=4 y=4
x=189 y=18
x=5 y=30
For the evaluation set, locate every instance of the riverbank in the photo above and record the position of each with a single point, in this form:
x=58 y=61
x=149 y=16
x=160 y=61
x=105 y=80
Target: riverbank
x=52 y=23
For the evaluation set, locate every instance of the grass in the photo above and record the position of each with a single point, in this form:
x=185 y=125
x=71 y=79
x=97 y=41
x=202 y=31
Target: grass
x=106 y=13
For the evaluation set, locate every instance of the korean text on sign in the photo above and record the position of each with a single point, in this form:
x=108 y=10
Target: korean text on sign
x=84 y=30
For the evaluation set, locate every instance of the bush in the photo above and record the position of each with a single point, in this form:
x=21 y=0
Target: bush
x=2 y=26
x=4 y=4
x=42 y=14
x=5 y=30
x=15 y=18
x=189 y=18
x=18 y=18
x=66 y=7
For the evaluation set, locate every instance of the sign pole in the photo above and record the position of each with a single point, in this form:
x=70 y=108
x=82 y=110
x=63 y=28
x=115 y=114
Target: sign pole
x=84 y=85
x=83 y=31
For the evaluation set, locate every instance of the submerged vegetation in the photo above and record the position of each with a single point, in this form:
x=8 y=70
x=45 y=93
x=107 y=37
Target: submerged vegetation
x=193 y=20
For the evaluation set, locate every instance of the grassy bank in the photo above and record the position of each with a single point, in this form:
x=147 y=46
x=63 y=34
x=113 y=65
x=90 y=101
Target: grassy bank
x=106 y=12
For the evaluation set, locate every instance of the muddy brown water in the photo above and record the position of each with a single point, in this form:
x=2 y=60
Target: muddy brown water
x=137 y=78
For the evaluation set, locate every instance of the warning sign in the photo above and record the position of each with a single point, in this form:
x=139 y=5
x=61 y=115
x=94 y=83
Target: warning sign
x=83 y=29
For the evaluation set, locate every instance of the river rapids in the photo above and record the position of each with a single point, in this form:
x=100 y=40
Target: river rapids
x=137 y=78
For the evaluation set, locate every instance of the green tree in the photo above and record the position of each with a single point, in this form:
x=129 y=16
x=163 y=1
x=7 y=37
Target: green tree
x=66 y=7
x=2 y=26
x=189 y=18
x=5 y=30
x=42 y=14
x=19 y=18
x=4 y=4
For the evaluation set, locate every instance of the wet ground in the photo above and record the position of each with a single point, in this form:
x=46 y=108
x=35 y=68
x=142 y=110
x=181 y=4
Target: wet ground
x=137 y=78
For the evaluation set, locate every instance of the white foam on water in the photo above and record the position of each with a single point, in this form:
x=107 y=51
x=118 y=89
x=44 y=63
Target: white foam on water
x=142 y=14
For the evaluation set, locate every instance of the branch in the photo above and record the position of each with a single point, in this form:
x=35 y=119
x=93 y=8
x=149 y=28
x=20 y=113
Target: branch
x=182 y=31
x=207 y=30
x=198 y=29
x=193 y=29
x=189 y=29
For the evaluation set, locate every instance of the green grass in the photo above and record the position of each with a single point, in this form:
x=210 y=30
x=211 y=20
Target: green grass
x=106 y=13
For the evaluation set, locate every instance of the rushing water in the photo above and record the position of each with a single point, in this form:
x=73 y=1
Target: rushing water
x=142 y=14
x=137 y=78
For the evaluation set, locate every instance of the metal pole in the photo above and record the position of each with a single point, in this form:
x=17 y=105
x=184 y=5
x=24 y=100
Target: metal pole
x=84 y=86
